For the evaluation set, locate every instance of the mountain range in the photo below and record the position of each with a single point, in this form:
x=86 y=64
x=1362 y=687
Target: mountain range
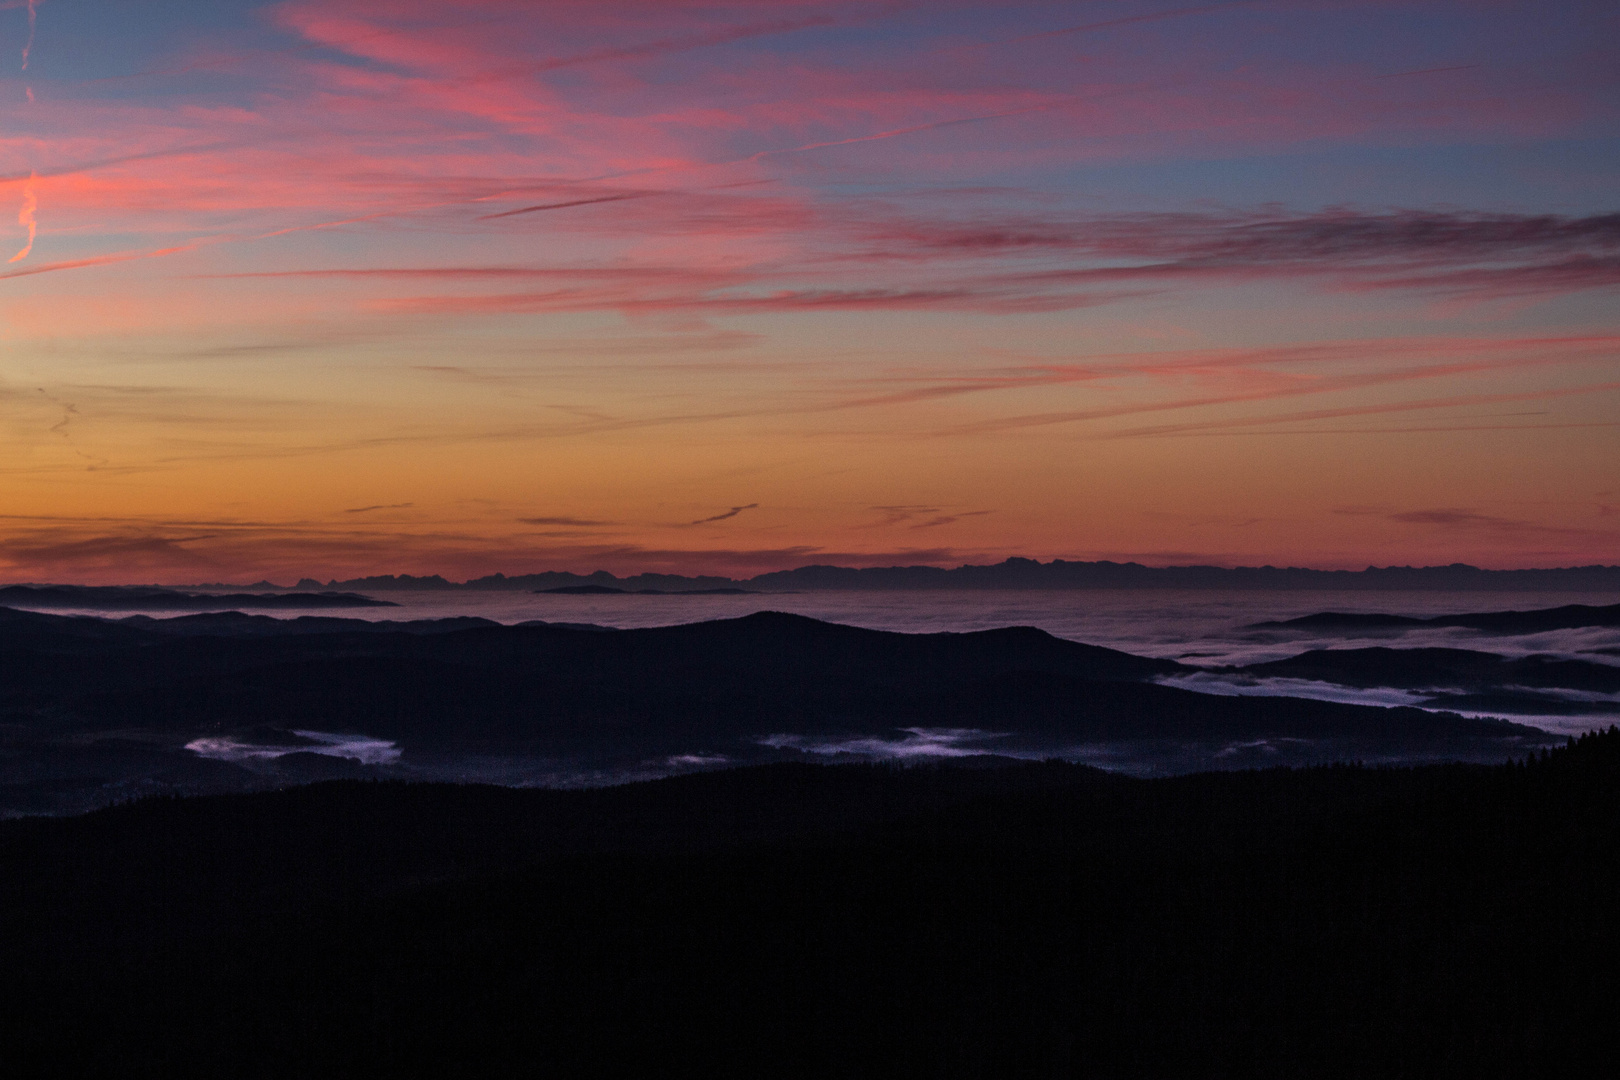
x=1020 y=573
x=94 y=710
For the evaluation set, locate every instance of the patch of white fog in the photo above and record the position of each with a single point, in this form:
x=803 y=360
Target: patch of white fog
x=1237 y=685
x=362 y=748
x=1264 y=746
x=1581 y=643
x=1586 y=697
x=918 y=742
x=696 y=761
x=1557 y=723
x=1242 y=647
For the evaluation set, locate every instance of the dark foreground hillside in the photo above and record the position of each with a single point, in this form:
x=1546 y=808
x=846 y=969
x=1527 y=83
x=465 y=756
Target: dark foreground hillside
x=791 y=920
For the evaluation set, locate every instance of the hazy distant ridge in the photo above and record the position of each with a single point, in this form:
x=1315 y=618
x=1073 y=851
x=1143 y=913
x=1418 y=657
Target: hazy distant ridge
x=1017 y=573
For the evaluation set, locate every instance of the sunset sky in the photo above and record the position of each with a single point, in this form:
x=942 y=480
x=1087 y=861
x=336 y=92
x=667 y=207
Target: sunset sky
x=339 y=287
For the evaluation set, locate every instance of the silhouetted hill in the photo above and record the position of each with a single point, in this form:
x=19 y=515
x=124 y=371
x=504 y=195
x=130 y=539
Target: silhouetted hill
x=556 y=705
x=36 y=631
x=1568 y=617
x=1425 y=668
x=789 y=921
x=1525 y=704
x=137 y=597
x=239 y=624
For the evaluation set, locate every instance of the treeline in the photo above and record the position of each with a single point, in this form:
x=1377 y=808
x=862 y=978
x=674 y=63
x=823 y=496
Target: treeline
x=855 y=921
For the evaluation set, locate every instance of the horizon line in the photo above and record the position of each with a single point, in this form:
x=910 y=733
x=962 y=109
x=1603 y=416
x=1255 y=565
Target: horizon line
x=1011 y=564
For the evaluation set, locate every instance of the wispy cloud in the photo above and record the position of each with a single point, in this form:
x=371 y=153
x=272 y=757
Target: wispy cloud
x=581 y=522
x=122 y=554
x=948 y=519
x=733 y=512
x=1128 y=20
x=932 y=517
x=1378 y=409
x=90 y=549
x=1044 y=267
x=1420 y=250
x=647 y=49
x=1465 y=519
x=654 y=253
x=1431 y=70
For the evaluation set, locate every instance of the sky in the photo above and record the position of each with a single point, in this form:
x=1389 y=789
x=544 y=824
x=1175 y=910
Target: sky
x=343 y=287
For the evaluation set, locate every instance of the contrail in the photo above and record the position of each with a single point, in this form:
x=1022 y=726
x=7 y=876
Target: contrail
x=651 y=48
x=25 y=216
x=1428 y=71
x=86 y=166
x=628 y=52
x=223 y=238
x=28 y=46
x=906 y=130
x=574 y=202
x=1127 y=21
x=99 y=260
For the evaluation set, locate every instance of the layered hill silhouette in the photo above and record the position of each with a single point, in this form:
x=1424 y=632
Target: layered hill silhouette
x=1463 y=679
x=1425 y=668
x=1568 y=617
x=153 y=598
x=106 y=708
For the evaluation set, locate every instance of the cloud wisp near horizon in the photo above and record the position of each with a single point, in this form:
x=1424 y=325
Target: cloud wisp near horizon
x=368 y=286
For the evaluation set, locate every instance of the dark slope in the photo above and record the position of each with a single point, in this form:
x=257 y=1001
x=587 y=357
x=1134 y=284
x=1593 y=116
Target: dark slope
x=1447 y=668
x=152 y=598
x=758 y=675
x=1461 y=679
x=1083 y=711
x=787 y=653
x=239 y=624
x=42 y=632
x=789 y=921
x=77 y=692
x=1525 y=704
x=1568 y=617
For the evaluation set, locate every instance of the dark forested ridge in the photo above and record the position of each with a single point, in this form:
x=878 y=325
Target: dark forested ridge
x=1419 y=668
x=1040 y=920
x=156 y=598
x=1567 y=617
x=94 y=710
x=1461 y=678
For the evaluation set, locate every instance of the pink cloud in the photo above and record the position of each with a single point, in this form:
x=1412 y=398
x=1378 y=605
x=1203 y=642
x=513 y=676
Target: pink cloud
x=419 y=103
x=1008 y=268
x=529 y=176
